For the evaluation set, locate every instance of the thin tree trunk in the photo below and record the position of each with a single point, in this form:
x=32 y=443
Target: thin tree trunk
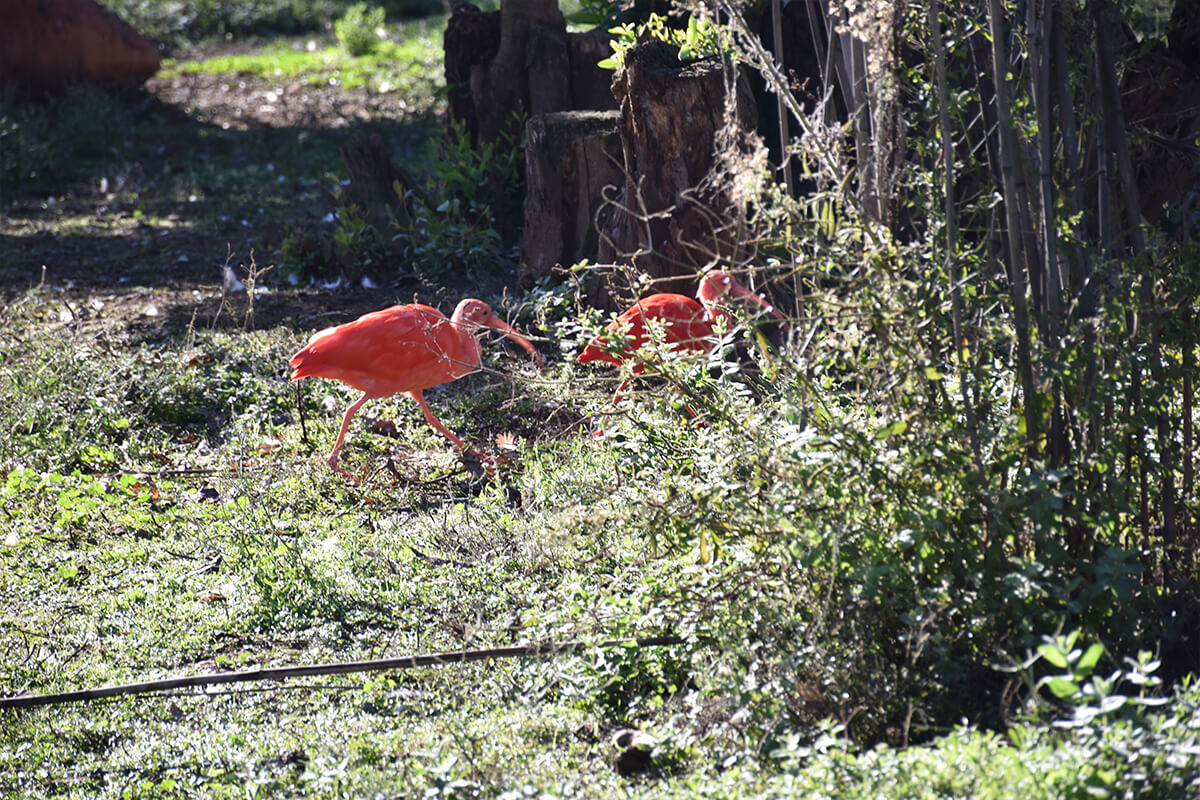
x=952 y=267
x=1187 y=491
x=1081 y=275
x=785 y=162
x=1013 y=200
x=860 y=113
x=1113 y=118
x=822 y=47
x=1039 y=23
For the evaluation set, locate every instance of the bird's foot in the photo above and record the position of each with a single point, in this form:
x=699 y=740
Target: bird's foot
x=332 y=461
x=478 y=455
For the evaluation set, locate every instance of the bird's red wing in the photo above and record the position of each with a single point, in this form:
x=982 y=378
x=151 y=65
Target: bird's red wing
x=398 y=349
x=682 y=319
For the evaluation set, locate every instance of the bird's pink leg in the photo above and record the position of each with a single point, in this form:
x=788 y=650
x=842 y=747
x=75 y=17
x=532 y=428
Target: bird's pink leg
x=434 y=422
x=617 y=394
x=332 y=458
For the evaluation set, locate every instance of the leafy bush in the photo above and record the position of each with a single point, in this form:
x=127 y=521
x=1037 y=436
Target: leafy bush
x=361 y=29
x=462 y=230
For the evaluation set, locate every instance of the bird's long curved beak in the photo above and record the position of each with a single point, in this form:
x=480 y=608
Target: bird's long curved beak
x=737 y=290
x=495 y=323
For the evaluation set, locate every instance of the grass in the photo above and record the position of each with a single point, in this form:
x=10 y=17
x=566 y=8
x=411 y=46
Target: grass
x=168 y=517
x=407 y=65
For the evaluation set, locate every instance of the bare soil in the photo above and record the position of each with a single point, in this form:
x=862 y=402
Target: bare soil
x=214 y=173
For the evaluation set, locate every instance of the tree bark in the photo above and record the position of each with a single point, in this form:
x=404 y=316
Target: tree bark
x=570 y=157
x=470 y=42
x=501 y=88
x=672 y=218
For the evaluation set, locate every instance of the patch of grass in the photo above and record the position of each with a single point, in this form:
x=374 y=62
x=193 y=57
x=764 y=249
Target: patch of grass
x=201 y=533
x=410 y=66
x=184 y=22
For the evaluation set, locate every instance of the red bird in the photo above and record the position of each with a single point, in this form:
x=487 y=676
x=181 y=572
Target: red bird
x=687 y=324
x=405 y=348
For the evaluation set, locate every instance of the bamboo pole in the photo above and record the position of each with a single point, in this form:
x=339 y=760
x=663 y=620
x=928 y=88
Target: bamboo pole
x=952 y=266
x=341 y=668
x=1014 y=199
x=1113 y=117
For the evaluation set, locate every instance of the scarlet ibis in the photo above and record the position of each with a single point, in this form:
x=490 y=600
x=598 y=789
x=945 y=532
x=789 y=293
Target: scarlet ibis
x=687 y=324
x=405 y=348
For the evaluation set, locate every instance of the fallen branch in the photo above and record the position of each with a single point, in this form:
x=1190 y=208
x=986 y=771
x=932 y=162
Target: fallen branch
x=343 y=668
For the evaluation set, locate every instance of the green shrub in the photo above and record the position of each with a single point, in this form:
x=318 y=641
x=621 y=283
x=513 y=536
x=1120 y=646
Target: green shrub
x=360 y=28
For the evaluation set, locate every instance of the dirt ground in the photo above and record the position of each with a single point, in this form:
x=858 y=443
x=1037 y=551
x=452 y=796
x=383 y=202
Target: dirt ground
x=215 y=171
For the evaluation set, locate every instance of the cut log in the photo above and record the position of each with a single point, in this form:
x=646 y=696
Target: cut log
x=673 y=216
x=45 y=45
x=570 y=157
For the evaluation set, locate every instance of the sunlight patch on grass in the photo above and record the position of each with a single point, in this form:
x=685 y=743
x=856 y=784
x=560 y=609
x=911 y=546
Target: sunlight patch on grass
x=411 y=65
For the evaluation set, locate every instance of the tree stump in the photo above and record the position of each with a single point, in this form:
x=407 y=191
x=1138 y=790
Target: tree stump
x=470 y=41
x=673 y=217
x=570 y=157
x=557 y=71
x=591 y=85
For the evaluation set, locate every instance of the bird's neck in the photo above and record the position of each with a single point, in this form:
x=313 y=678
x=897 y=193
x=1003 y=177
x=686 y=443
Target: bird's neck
x=714 y=312
x=466 y=343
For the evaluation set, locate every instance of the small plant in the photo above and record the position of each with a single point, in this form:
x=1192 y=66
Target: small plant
x=698 y=40
x=462 y=227
x=361 y=29
x=1089 y=696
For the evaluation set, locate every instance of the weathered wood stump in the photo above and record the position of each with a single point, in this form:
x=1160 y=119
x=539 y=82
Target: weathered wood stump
x=47 y=44
x=591 y=85
x=570 y=157
x=558 y=70
x=673 y=215
x=470 y=41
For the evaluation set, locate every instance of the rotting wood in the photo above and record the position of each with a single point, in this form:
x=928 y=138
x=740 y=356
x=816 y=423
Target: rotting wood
x=570 y=157
x=342 y=668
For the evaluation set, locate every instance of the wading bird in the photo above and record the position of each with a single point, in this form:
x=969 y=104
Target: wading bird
x=687 y=324
x=402 y=349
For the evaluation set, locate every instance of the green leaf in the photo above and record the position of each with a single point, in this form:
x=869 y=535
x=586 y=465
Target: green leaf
x=1062 y=687
x=1088 y=661
x=1053 y=654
